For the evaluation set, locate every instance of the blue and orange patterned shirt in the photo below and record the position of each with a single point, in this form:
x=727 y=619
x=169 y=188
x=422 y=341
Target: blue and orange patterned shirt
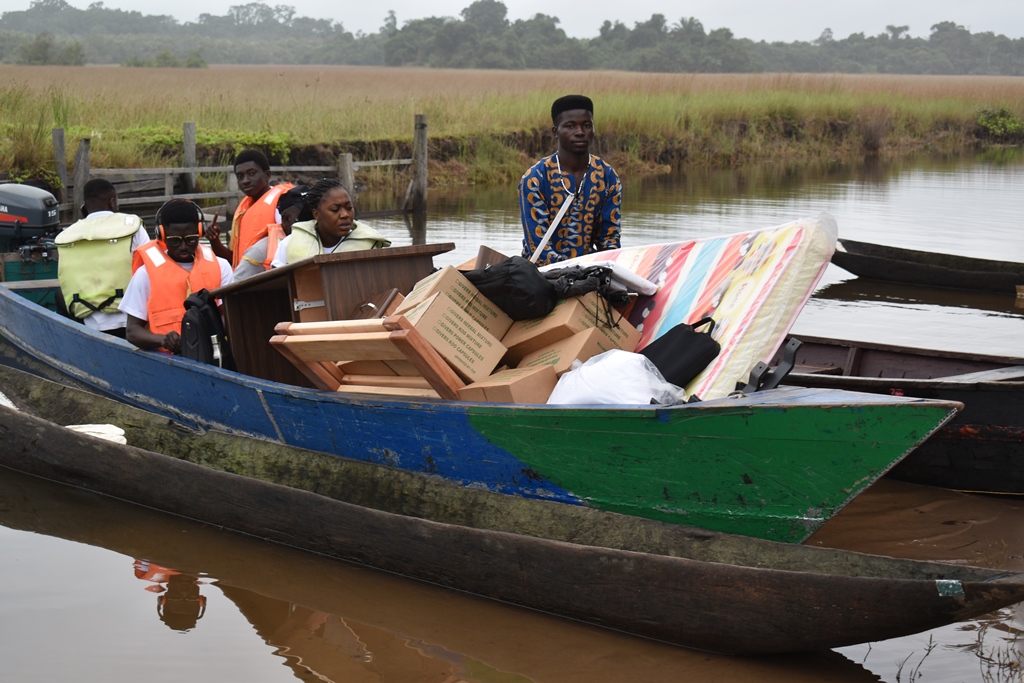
x=592 y=221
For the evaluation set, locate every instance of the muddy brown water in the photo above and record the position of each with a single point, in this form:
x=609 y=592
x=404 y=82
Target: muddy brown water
x=77 y=603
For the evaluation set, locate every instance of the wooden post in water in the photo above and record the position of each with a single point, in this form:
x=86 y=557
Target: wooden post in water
x=81 y=177
x=60 y=156
x=189 y=139
x=347 y=173
x=416 y=195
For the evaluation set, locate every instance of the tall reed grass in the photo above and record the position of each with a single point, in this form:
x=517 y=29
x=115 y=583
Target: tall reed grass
x=134 y=116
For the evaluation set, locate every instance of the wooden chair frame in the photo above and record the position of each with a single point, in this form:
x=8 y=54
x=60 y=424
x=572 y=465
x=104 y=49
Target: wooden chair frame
x=316 y=349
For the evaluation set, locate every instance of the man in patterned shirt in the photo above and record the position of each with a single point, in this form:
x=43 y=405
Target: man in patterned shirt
x=577 y=192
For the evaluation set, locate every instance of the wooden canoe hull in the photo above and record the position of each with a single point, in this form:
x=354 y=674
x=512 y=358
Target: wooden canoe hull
x=981 y=449
x=892 y=264
x=690 y=587
x=751 y=465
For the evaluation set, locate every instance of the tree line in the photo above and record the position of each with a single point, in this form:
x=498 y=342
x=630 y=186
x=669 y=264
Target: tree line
x=54 y=32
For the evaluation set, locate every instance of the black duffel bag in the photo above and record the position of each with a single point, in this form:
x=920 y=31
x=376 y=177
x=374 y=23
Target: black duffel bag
x=516 y=287
x=682 y=353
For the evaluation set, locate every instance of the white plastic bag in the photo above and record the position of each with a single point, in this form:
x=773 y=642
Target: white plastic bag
x=616 y=377
x=106 y=432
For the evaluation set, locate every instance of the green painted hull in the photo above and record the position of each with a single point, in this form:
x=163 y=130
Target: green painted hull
x=744 y=471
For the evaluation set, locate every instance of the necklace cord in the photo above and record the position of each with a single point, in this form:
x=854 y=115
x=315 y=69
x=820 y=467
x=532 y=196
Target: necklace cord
x=582 y=180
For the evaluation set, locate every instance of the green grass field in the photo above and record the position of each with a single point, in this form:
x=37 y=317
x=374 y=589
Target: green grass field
x=485 y=125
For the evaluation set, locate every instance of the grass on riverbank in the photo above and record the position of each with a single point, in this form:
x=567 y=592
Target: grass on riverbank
x=486 y=126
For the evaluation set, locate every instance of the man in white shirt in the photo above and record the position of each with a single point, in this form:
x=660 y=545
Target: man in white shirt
x=173 y=266
x=95 y=259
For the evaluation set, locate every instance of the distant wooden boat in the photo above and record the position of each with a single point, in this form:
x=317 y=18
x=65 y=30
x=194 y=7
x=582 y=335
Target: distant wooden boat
x=981 y=449
x=893 y=264
x=691 y=587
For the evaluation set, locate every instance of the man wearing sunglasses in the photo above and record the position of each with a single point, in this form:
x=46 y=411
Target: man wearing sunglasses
x=175 y=266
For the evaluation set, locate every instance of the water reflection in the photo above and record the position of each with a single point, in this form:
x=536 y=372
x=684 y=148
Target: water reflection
x=325 y=620
x=316 y=644
x=179 y=604
x=857 y=289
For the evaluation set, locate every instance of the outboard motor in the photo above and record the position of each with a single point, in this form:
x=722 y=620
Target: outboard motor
x=29 y=218
x=26 y=213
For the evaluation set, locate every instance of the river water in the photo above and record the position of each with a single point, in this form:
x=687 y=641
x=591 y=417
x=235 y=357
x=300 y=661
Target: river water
x=96 y=590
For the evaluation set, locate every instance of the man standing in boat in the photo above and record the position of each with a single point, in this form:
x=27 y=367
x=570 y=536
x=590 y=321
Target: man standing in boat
x=95 y=261
x=257 y=210
x=570 y=202
x=173 y=267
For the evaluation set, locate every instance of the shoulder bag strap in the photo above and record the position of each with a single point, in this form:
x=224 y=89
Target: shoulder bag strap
x=554 y=224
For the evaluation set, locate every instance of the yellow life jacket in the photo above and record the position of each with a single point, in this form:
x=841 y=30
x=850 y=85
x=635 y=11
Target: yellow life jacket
x=94 y=262
x=304 y=241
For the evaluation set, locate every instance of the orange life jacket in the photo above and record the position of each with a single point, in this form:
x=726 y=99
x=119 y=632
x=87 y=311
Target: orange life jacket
x=170 y=284
x=251 y=219
x=137 y=261
x=275 y=233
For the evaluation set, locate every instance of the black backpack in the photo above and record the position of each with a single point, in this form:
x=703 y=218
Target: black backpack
x=516 y=287
x=202 y=332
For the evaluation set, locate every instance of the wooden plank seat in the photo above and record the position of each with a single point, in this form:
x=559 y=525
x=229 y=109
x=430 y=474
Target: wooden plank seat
x=817 y=369
x=322 y=350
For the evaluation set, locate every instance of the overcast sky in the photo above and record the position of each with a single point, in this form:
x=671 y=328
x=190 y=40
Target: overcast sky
x=758 y=20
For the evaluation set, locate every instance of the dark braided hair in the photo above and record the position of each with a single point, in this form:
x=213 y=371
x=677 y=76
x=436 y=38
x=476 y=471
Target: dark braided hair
x=319 y=189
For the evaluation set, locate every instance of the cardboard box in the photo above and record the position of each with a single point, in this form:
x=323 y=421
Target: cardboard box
x=582 y=346
x=567 y=318
x=519 y=385
x=472 y=351
x=454 y=284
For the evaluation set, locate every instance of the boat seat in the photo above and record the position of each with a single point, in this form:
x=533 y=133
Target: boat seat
x=334 y=355
x=817 y=370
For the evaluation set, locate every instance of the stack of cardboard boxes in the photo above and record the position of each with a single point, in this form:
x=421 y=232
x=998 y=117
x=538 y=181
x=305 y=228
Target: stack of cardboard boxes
x=475 y=338
x=495 y=360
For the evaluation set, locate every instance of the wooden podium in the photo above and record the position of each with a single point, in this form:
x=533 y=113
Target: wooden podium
x=323 y=287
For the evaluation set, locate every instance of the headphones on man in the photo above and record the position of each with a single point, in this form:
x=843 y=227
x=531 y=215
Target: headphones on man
x=162 y=233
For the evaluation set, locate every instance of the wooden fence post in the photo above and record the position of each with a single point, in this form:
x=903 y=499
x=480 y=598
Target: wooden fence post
x=347 y=173
x=60 y=155
x=81 y=177
x=416 y=195
x=231 y=203
x=189 y=139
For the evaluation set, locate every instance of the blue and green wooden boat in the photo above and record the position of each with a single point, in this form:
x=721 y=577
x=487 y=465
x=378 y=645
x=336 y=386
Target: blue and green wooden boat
x=773 y=464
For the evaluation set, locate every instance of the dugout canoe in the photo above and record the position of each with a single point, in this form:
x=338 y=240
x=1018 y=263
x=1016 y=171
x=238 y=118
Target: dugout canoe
x=933 y=269
x=980 y=450
x=691 y=587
